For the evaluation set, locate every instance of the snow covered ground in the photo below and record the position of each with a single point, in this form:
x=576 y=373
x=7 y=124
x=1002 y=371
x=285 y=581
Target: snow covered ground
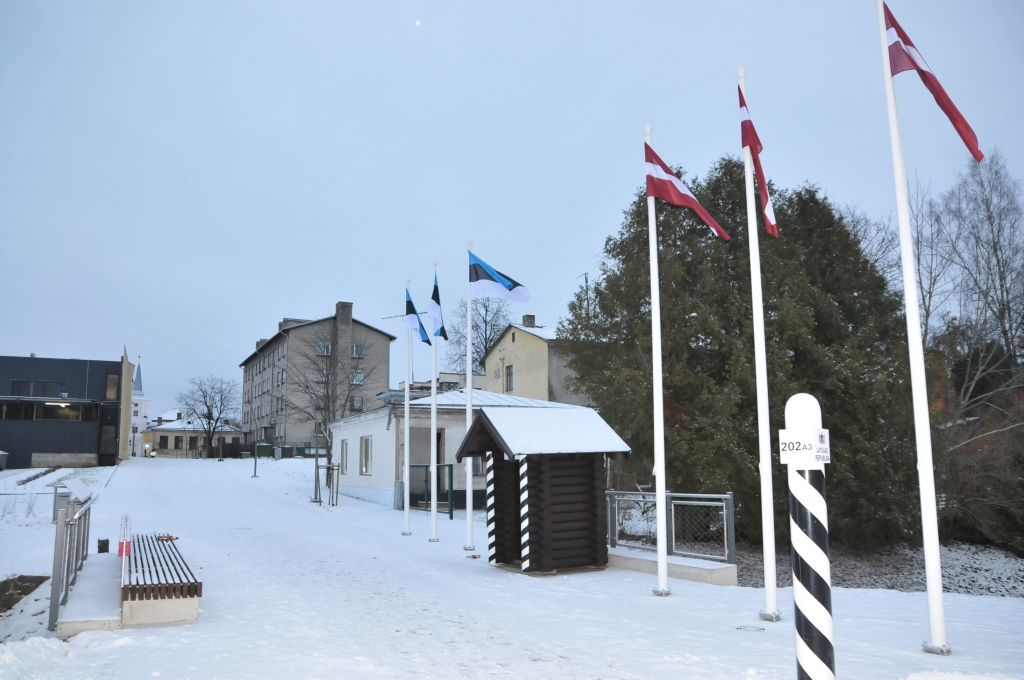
x=293 y=590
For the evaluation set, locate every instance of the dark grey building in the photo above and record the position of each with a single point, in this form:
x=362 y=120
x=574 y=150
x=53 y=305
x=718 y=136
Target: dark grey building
x=63 y=412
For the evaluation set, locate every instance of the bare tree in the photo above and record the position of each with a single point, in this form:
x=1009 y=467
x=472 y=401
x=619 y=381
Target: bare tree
x=985 y=210
x=879 y=241
x=934 y=243
x=490 y=319
x=212 y=402
x=325 y=377
x=982 y=342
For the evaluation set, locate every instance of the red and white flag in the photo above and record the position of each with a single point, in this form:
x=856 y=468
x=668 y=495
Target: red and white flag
x=749 y=138
x=903 y=56
x=662 y=183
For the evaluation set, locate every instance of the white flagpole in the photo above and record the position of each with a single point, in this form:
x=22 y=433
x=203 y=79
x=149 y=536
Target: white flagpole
x=659 y=403
x=922 y=425
x=405 y=445
x=433 y=435
x=764 y=438
x=469 y=411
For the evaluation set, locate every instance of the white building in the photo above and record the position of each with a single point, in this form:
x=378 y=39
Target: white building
x=370 y=446
x=139 y=413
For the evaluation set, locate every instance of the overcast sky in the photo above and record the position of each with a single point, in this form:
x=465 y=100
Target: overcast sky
x=176 y=177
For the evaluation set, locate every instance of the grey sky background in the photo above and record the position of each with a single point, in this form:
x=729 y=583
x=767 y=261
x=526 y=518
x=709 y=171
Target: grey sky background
x=176 y=177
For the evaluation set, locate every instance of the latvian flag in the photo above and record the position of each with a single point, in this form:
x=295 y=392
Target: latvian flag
x=903 y=56
x=412 y=319
x=486 y=281
x=440 y=333
x=662 y=183
x=749 y=138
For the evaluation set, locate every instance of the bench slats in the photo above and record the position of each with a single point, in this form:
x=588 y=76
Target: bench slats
x=156 y=570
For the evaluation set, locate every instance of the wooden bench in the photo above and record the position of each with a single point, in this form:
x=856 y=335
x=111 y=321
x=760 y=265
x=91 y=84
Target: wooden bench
x=157 y=585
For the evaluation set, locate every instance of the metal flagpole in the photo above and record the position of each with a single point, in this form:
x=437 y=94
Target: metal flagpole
x=469 y=411
x=922 y=426
x=433 y=435
x=659 y=403
x=405 y=445
x=764 y=437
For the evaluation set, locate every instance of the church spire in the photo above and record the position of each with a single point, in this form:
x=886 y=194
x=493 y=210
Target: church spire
x=137 y=382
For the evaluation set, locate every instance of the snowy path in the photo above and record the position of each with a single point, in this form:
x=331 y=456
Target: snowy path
x=299 y=591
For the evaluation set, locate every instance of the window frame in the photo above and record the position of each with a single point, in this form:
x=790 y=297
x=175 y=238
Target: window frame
x=366 y=456
x=343 y=457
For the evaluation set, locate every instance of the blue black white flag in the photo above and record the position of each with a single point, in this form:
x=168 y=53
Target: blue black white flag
x=412 y=319
x=486 y=281
x=435 y=313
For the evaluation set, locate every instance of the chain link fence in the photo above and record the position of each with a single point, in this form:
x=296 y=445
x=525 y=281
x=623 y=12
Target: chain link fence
x=698 y=525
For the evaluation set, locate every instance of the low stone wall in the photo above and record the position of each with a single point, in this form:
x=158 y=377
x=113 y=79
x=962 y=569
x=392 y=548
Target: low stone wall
x=65 y=460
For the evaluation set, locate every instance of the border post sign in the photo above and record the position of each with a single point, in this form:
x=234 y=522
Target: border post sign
x=804 y=449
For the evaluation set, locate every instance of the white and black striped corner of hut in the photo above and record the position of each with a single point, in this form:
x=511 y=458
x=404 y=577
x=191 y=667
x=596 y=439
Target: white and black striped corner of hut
x=812 y=581
x=524 y=513
x=491 y=539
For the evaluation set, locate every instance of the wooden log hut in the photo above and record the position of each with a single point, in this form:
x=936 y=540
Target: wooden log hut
x=546 y=507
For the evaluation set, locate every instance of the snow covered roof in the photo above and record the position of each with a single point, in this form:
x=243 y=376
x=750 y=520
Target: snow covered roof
x=457 y=398
x=530 y=431
x=188 y=425
x=542 y=332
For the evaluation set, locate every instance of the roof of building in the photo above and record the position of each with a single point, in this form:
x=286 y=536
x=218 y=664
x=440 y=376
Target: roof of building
x=189 y=425
x=542 y=332
x=284 y=331
x=531 y=431
x=137 y=382
x=457 y=399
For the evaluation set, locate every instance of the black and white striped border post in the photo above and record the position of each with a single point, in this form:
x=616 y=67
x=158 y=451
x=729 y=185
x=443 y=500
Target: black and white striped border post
x=524 y=513
x=491 y=536
x=805 y=450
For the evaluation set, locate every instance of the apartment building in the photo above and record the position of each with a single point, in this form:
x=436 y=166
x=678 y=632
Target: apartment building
x=312 y=372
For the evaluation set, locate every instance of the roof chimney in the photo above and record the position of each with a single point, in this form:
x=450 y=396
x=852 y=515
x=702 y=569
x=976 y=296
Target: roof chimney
x=529 y=320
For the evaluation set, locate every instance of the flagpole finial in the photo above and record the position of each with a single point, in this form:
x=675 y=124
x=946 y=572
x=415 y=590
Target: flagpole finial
x=435 y=266
x=407 y=282
x=469 y=244
x=647 y=133
x=741 y=71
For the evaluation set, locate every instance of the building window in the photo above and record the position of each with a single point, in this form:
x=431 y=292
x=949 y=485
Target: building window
x=163 y=441
x=366 y=455
x=179 y=442
x=343 y=457
x=39 y=388
x=323 y=349
x=513 y=336
x=509 y=383
x=355 y=404
x=135 y=413
x=321 y=376
x=478 y=465
x=357 y=351
x=356 y=377
x=113 y=382
x=193 y=443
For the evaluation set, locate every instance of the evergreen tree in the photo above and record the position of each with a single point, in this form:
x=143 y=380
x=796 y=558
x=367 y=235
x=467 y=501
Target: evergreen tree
x=833 y=330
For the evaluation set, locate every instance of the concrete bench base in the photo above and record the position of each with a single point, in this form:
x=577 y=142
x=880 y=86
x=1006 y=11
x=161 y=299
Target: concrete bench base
x=686 y=568
x=151 y=612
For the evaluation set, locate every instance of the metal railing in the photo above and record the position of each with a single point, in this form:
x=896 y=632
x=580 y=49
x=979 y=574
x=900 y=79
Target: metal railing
x=698 y=525
x=70 y=550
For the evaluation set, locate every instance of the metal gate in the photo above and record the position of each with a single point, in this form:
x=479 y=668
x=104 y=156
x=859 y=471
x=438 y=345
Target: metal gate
x=698 y=525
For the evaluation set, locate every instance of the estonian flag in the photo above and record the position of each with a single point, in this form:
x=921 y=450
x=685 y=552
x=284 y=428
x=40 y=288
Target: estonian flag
x=486 y=281
x=412 y=319
x=435 y=313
